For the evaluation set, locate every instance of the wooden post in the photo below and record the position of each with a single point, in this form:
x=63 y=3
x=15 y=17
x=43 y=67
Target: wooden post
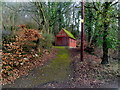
x=82 y=30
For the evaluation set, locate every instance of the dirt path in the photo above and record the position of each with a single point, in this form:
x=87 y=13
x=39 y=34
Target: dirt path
x=57 y=70
x=64 y=71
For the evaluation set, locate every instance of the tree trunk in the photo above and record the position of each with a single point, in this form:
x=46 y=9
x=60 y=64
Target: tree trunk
x=90 y=20
x=105 y=49
x=78 y=26
x=105 y=33
x=60 y=16
x=119 y=29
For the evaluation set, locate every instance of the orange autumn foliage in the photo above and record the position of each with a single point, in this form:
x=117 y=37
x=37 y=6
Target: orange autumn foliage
x=13 y=53
x=25 y=34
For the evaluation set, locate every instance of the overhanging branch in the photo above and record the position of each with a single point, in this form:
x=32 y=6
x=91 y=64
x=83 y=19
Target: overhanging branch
x=114 y=4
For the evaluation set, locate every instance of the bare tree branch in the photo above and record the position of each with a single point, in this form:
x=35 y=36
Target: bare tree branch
x=114 y=4
x=95 y=7
x=35 y=20
x=11 y=8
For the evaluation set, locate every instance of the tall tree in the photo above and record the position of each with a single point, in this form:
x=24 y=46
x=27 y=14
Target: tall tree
x=119 y=27
x=105 y=22
x=106 y=14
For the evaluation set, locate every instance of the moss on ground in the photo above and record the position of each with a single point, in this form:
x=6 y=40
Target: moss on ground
x=57 y=70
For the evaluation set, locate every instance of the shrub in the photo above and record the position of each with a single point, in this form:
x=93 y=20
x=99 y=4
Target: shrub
x=47 y=41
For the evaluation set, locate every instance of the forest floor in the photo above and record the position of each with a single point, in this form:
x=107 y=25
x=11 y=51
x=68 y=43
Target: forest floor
x=91 y=73
x=66 y=71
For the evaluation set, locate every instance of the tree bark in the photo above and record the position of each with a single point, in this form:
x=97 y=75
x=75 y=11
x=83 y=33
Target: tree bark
x=119 y=29
x=60 y=16
x=90 y=27
x=105 y=34
x=105 y=48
